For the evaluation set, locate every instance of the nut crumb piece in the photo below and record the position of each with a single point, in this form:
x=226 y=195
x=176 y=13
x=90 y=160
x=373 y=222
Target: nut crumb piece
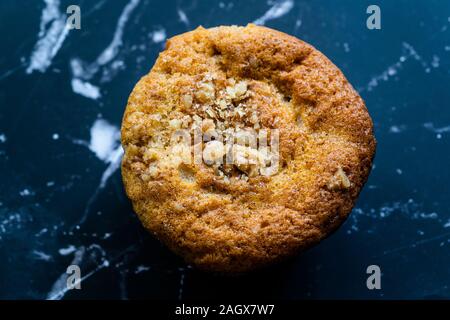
x=238 y=91
x=150 y=173
x=187 y=100
x=213 y=152
x=207 y=125
x=186 y=121
x=205 y=92
x=248 y=160
x=150 y=155
x=175 y=123
x=339 y=181
x=210 y=112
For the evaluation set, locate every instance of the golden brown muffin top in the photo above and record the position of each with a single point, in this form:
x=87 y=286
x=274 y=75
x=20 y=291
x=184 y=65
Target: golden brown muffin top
x=224 y=83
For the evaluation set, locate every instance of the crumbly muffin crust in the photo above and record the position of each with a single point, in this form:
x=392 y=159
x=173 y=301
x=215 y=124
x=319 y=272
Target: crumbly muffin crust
x=232 y=218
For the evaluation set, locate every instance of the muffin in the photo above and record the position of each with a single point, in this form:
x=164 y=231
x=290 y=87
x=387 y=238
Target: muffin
x=243 y=146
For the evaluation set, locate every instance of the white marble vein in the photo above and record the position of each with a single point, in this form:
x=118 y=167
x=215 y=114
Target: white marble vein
x=409 y=209
x=181 y=287
x=159 y=35
x=85 y=88
x=104 y=139
x=279 y=9
x=66 y=251
x=40 y=255
x=53 y=31
x=415 y=244
x=430 y=126
x=105 y=144
x=392 y=70
x=183 y=18
x=59 y=287
x=106 y=60
x=83 y=257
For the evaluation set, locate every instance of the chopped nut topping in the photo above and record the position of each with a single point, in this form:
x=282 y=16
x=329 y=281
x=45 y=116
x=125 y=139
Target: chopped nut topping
x=238 y=91
x=186 y=121
x=245 y=138
x=240 y=88
x=179 y=153
x=339 y=181
x=254 y=118
x=207 y=125
x=248 y=160
x=219 y=113
x=222 y=104
x=187 y=100
x=156 y=117
x=151 y=172
x=210 y=112
x=205 y=92
x=213 y=152
x=175 y=123
x=150 y=155
x=196 y=119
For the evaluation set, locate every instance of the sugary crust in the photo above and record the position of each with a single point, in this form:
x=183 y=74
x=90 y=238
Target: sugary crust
x=326 y=149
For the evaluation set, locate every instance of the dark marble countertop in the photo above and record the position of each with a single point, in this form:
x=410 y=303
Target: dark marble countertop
x=62 y=96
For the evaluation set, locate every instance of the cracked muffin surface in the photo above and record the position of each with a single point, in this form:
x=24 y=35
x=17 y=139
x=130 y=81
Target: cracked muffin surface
x=208 y=93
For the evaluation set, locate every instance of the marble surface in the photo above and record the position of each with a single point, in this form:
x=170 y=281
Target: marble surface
x=62 y=96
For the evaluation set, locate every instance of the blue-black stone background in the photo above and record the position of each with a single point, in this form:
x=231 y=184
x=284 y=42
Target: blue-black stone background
x=50 y=179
